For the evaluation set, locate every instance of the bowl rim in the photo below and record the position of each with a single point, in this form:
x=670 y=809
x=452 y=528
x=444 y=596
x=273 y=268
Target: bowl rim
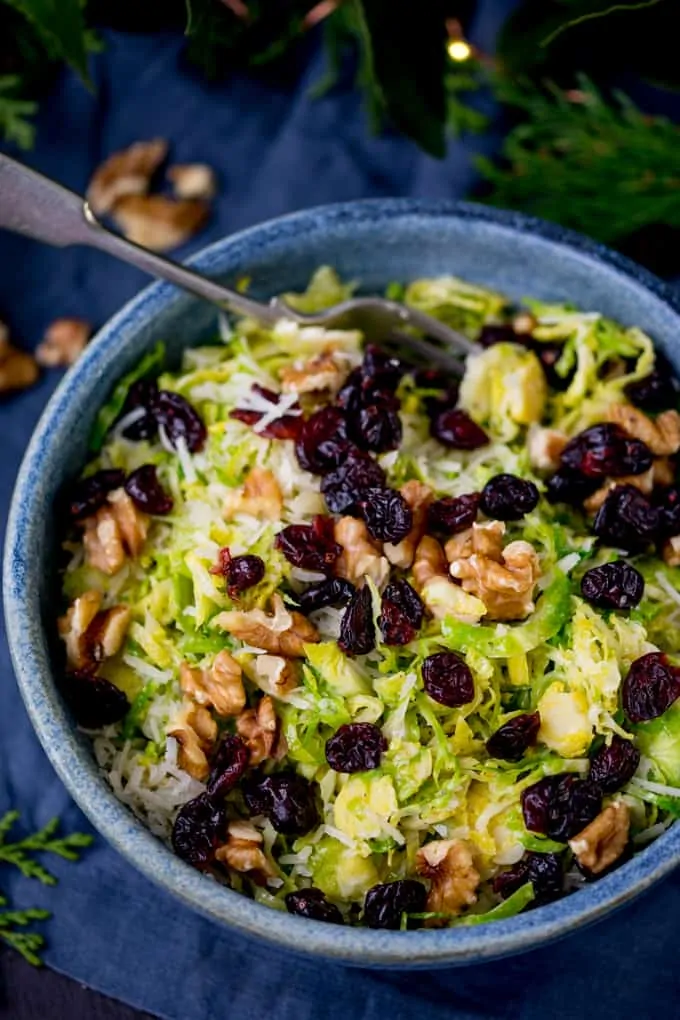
x=72 y=759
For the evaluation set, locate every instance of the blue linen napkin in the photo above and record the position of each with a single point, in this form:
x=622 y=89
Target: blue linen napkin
x=276 y=151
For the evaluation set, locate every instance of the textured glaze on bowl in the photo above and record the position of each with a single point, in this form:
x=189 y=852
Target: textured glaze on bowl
x=375 y=242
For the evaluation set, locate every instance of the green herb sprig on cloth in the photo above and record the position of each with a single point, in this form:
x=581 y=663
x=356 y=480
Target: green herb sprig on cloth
x=19 y=853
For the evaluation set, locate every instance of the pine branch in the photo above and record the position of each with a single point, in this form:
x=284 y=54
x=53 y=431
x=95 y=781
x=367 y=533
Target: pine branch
x=43 y=841
x=602 y=167
x=14 y=112
x=18 y=854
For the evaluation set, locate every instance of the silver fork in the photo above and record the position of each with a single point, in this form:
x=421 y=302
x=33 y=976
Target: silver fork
x=38 y=207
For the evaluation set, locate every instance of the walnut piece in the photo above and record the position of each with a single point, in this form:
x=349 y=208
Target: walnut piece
x=545 y=447
x=117 y=529
x=418 y=496
x=243 y=852
x=603 y=841
x=434 y=585
x=195 y=731
x=192 y=180
x=273 y=674
x=219 y=687
x=361 y=556
x=670 y=551
x=283 y=633
x=63 y=343
x=449 y=865
x=260 y=729
x=325 y=372
x=260 y=497
x=157 y=222
x=662 y=435
x=128 y=172
x=502 y=578
x=660 y=473
x=18 y=370
x=90 y=633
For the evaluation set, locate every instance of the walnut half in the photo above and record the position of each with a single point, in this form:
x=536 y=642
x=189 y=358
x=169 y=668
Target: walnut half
x=128 y=172
x=90 y=633
x=440 y=595
x=63 y=343
x=118 y=529
x=220 y=686
x=324 y=372
x=195 y=731
x=449 y=865
x=283 y=633
x=603 y=841
x=361 y=556
x=259 y=497
x=259 y=728
x=243 y=852
x=661 y=435
x=503 y=578
x=18 y=370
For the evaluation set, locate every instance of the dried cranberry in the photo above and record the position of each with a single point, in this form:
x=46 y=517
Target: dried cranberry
x=448 y=680
x=613 y=585
x=512 y=739
x=385 y=904
x=380 y=369
x=357 y=629
x=355 y=747
x=457 y=430
x=452 y=514
x=335 y=591
x=343 y=487
x=243 y=572
x=227 y=766
x=444 y=385
x=142 y=395
x=606 y=451
x=549 y=353
x=627 y=520
x=650 y=688
x=287 y=426
x=614 y=764
x=322 y=441
x=180 y=421
x=668 y=504
x=198 y=830
x=656 y=392
x=146 y=492
x=535 y=800
x=401 y=613
x=376 y=428
x=544 y=871
x=310 y=546
x=87 y=495
x=313 y=904
x=394 y=624
x=570 y=487
x=388 y=516
x=508 y=498
x=93 y=700
x=286 y=799
x=561 y=806
x=574 y=804
x=492 y=335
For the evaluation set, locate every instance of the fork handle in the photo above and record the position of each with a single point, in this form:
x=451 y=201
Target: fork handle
x=33 y=205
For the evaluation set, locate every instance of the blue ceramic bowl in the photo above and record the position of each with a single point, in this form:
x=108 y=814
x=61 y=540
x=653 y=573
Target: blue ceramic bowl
x=375 y=242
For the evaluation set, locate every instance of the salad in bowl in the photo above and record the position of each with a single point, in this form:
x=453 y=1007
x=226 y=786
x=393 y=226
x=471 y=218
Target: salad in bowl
x=379 y=645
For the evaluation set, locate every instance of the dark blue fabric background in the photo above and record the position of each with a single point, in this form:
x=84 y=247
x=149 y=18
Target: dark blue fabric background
x=276 y=151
